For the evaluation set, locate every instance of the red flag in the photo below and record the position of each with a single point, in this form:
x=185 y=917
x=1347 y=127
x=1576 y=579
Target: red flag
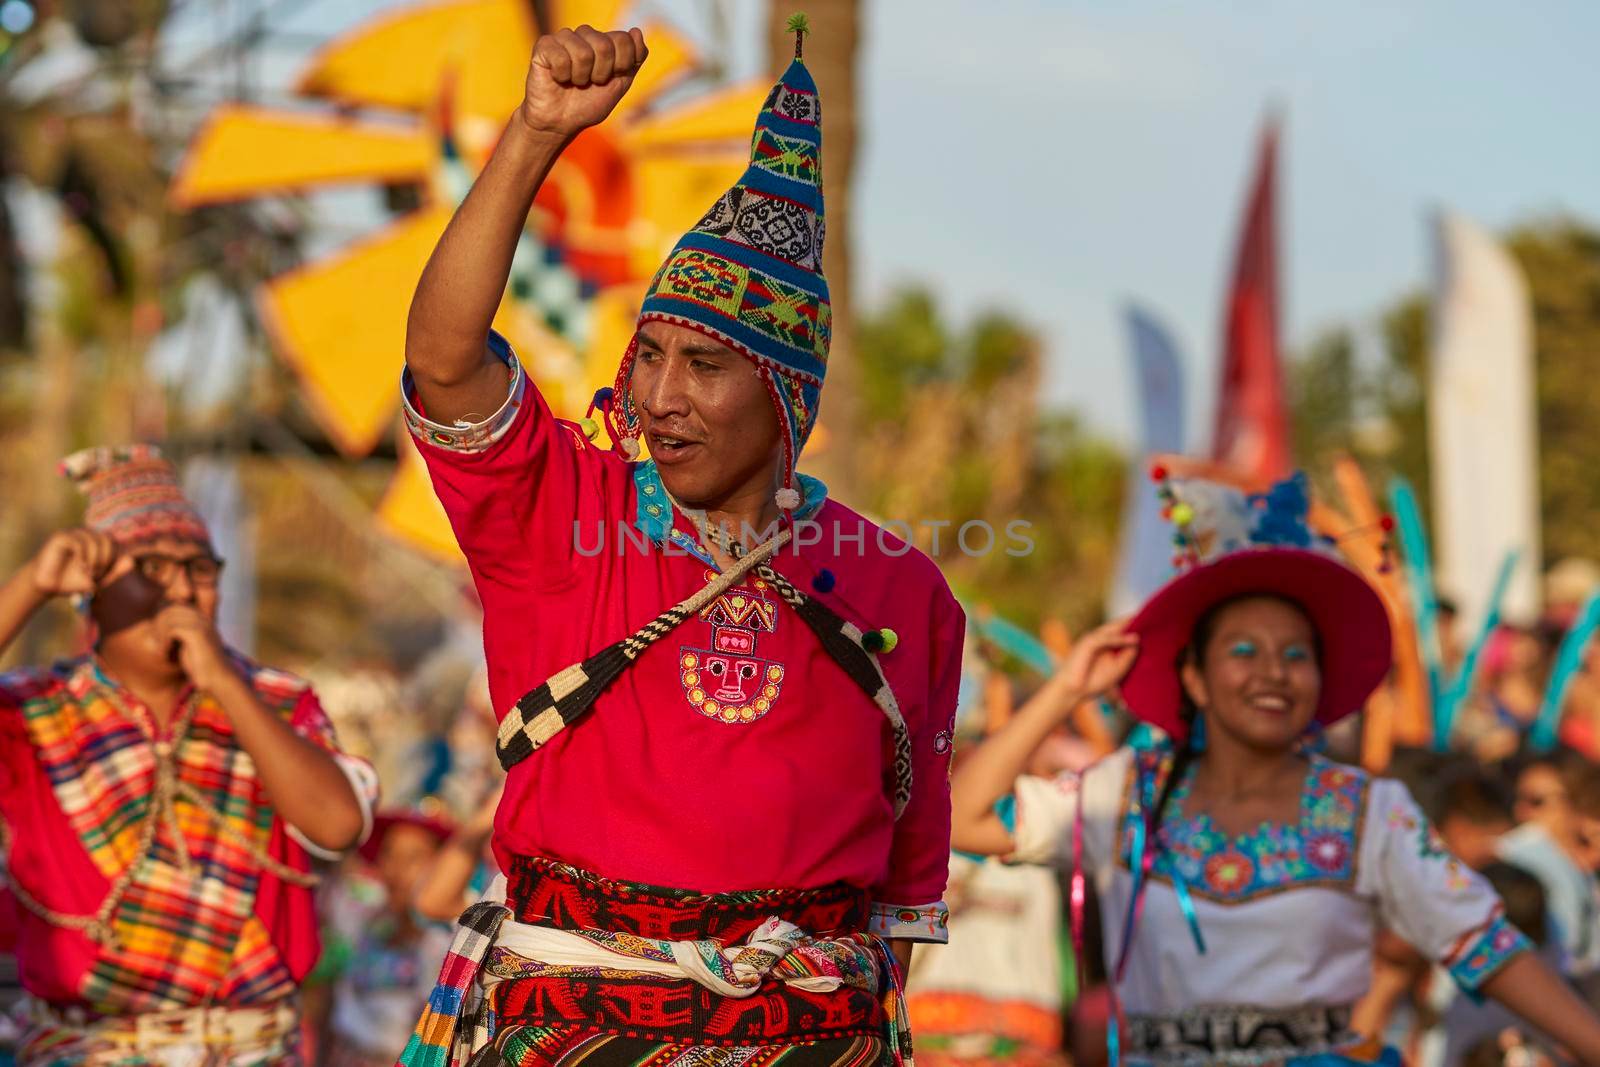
x=1252 y=431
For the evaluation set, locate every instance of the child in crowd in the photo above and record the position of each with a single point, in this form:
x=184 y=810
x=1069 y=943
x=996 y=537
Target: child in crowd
x=1472 y=813
x=389 y=953
x=463 y=868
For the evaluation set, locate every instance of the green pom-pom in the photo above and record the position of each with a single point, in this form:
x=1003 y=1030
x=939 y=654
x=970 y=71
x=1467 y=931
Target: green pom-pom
x=591 y=429
x=798 y=25
x=880 y=640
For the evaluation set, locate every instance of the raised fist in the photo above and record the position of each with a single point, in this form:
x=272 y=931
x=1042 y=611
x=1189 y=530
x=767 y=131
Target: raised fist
x=578 y=76
x=75 y=561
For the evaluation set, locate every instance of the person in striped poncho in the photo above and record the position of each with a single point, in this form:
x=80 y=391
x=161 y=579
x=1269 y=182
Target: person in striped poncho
x=162 y=798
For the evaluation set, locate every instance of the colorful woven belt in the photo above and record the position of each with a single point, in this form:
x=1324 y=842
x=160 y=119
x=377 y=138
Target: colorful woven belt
x=765 y=967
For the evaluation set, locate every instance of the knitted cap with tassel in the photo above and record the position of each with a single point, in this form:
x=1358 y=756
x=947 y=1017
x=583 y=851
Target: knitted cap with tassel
x=750 y=272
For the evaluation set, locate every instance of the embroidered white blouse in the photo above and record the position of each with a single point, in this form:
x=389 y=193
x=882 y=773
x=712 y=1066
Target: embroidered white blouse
x=1288 y=914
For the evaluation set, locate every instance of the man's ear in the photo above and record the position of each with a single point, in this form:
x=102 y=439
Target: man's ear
x=1194 y=683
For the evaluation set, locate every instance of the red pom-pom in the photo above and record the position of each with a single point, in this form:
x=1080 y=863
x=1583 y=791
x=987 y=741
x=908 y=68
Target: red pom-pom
x=1158 y=473
x=1387 y=522
x=1166 y=514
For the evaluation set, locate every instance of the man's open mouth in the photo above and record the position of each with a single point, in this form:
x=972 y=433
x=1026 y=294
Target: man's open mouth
x=667 y=447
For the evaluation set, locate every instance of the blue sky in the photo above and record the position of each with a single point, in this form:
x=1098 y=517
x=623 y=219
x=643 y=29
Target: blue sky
x=1071 y=155
x=1056 y=158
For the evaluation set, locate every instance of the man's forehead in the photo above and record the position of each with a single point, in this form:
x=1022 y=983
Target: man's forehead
x=665 y=335
x=177 y=547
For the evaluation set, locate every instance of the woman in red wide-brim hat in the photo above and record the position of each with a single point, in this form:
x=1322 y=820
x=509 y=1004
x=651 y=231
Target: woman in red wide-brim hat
x=1242 y=877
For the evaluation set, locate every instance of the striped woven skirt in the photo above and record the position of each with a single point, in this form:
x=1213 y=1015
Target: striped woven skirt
x=610 y=1018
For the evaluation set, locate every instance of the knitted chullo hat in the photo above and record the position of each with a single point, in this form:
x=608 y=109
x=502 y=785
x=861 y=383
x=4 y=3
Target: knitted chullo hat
x=750 y=272
x=134 y=495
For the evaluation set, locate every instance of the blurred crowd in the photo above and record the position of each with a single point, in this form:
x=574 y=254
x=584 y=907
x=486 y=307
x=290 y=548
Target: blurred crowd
x=1016 y=984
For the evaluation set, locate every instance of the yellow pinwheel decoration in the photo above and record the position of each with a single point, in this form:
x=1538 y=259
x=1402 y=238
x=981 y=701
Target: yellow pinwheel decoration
x=453 y=71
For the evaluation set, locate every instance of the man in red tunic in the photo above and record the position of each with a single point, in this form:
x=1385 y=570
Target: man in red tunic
x=726 y=699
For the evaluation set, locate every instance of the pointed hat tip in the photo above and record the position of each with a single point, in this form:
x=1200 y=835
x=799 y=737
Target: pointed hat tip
x=798 y=25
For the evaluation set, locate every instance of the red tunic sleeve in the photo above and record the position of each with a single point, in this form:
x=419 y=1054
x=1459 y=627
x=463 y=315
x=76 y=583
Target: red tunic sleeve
x=520 y=488
x=910 y=902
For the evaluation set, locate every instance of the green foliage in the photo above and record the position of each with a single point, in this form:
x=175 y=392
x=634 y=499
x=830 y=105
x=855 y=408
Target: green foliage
x=1333 y=395
x=902 y=347
x=953 y=435
x=1401 y=391
x=1561 y=260
x=1323 y=394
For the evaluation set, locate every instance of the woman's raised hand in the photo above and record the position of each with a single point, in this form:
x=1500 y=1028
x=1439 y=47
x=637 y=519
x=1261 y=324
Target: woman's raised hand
x=1099 y=660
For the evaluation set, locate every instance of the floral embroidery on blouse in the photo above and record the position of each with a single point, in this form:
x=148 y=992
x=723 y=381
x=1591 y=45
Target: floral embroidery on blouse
x=1319 y=850
x=1430 y=846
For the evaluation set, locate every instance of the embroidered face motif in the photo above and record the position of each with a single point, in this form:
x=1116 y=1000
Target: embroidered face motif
x=728 y=681
x=734 y=677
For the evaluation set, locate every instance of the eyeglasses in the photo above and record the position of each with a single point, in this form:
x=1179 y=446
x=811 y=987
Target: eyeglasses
x=163 y=570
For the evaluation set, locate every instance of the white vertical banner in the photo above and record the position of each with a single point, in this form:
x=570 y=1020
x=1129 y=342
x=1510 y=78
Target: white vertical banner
x=1146 y=555
x=1483 y=429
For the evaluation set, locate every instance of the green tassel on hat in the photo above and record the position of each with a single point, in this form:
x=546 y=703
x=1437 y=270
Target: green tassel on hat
x=798 y=25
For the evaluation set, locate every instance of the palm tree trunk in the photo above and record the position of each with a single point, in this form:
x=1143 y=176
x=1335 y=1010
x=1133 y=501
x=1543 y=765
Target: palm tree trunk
x=830 y=53
x=13 y=320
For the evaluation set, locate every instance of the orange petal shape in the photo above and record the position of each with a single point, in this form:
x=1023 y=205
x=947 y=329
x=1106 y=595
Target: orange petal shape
x=673 y=193
x=671 y=59
x=401 y=59
x=725 y=115
x=614 y=314
x=244 y=152
x=340 y=323
x=410 y=511
x=601 y=14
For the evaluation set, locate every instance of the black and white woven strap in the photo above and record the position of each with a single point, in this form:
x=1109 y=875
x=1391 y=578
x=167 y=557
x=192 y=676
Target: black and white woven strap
x=549 y=709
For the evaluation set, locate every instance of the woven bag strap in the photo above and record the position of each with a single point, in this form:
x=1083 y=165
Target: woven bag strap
x=567 y=694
